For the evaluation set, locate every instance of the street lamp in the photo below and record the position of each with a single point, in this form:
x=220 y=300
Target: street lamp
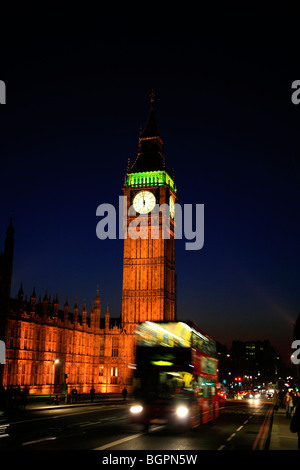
x=56 y=361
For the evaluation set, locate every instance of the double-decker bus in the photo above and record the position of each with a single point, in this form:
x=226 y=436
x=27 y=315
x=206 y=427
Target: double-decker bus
x=175 y=375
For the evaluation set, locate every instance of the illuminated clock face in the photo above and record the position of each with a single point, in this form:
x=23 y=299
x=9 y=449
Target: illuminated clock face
x=144 y=202
x=172 y=207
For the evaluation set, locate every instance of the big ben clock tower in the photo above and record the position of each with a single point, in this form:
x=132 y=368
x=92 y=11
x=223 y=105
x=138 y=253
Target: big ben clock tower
x=149 y=259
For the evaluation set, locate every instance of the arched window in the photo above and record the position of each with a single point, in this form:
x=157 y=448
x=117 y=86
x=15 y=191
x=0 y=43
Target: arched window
x=115 y=346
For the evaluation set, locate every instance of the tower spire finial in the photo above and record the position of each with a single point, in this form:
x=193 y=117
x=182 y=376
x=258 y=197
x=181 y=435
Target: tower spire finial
x=152 y=99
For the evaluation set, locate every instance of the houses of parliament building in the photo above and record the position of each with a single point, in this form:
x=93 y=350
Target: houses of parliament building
x=51 y=347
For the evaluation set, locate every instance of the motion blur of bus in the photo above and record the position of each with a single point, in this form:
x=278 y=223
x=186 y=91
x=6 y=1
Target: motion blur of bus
x=175 y=375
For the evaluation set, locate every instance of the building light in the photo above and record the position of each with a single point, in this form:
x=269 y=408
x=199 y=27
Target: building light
x=114 y=372
x=161 y=363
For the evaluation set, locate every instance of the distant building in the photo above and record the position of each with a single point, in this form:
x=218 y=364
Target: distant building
x=48 y=346
x=223 y=363
x=256 y=362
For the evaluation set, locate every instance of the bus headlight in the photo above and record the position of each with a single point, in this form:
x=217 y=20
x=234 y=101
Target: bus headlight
x=136 y=409
x=182 y=411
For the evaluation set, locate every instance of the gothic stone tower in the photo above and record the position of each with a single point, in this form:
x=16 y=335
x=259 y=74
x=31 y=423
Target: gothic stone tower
x=149 y=259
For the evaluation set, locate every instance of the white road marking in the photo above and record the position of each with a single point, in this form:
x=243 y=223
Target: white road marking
x=120 y=441
x=39 y=440
x=126 y=439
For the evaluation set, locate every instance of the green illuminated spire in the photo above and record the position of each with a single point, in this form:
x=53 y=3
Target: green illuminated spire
x=149 y=168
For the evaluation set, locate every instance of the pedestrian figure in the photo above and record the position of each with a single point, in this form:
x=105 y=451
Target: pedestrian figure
x=288 y=403
x=17 y=397
x=292 y=395
x=275 y=401
x=296 y=399
x=56 y=400
x=124 y=393
x=24 y=396
x=281 y=397
x=74 y=394
x=92 y=393
x=295 y=423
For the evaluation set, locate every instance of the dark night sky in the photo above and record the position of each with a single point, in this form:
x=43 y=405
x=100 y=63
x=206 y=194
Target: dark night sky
x=77 y=94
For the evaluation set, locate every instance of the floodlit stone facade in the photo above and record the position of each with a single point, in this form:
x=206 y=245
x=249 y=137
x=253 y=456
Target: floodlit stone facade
x=51 y=349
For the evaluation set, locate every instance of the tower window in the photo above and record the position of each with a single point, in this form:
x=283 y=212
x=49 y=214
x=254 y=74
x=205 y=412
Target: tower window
x=101 y=346
x=114 y=375
x=115 y=347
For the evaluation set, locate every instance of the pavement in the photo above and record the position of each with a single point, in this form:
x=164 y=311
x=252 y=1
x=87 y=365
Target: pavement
x=105 y=399
x=281 y=436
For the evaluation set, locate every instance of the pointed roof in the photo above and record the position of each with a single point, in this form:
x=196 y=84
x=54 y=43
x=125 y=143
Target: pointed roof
x=33 y=295
x=10 y=229
x=151 y=127
x=150 y=151
x=21 y=292
x=97 y=299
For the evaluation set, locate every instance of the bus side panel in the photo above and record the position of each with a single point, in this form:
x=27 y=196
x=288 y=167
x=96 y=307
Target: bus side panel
x=204 y=410
x=209 y=409
x=215 y=402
